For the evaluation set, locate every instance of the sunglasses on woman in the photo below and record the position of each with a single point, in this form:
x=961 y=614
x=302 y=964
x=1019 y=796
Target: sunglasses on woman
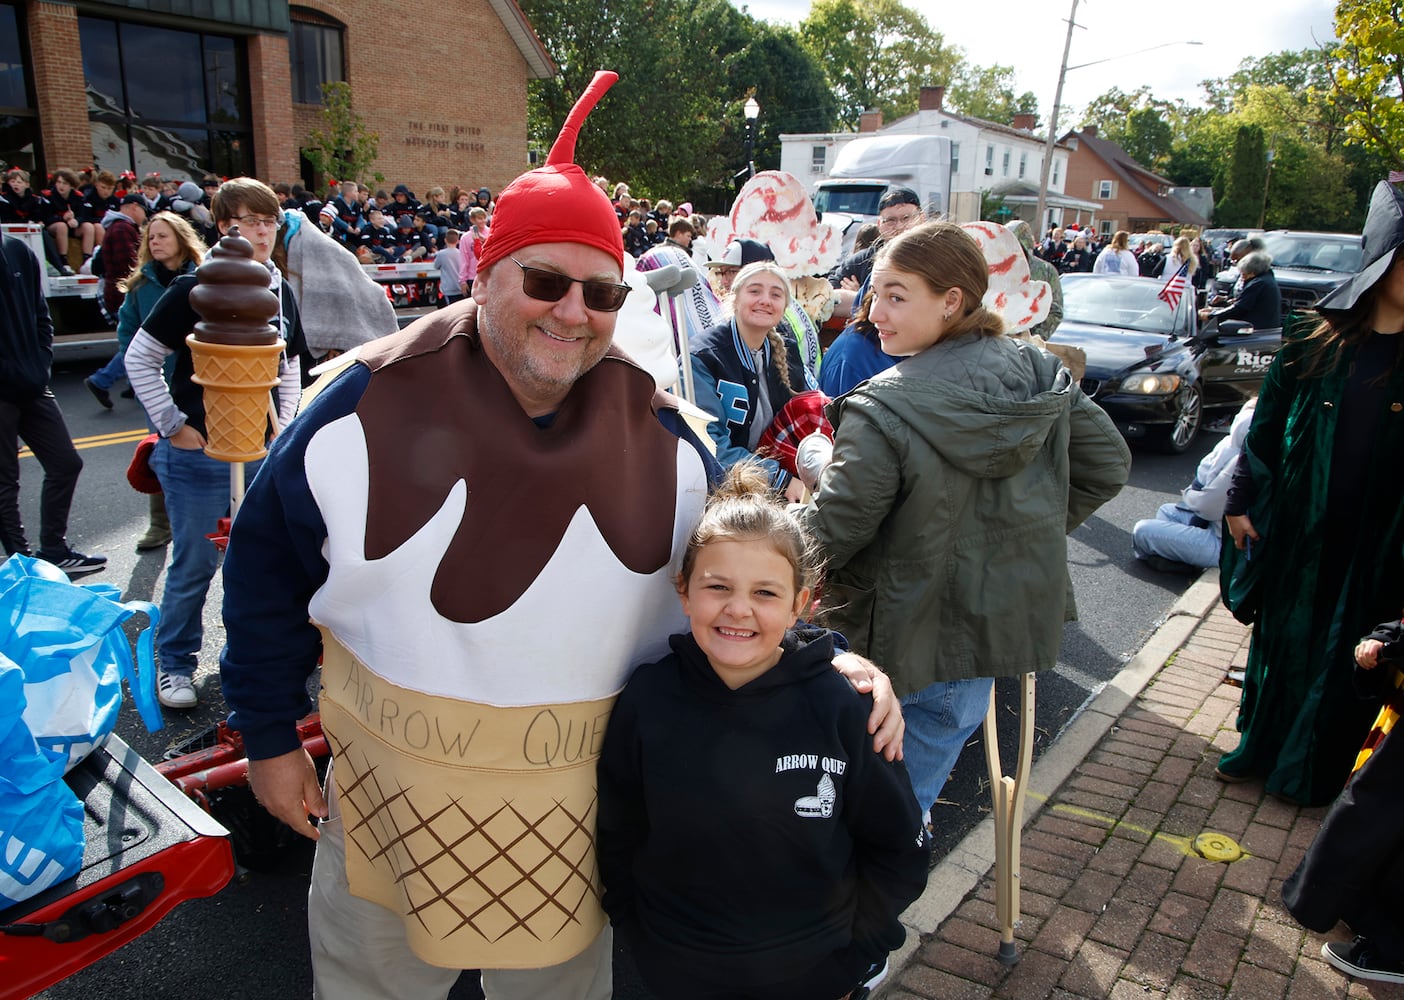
x=552 y=286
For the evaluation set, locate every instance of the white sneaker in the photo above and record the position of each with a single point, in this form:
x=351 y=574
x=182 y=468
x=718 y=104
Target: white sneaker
x=175 y=690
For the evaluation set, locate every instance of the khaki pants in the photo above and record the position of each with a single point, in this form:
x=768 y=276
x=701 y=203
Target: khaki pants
x=359 y=950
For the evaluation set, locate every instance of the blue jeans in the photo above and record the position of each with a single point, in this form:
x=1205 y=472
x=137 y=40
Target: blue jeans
x=940 y=718
x=109 y=373
x=1172 y=534
x=197 y=495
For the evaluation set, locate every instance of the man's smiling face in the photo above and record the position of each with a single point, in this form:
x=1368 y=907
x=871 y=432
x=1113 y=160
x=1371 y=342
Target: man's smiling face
x=542 y=348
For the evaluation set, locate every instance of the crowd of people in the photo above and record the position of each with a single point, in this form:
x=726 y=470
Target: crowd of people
x=1074 y=250
x=77 y=208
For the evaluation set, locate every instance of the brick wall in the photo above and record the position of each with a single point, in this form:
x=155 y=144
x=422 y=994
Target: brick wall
x=270 y=102
x=449 y=103
x=58 y=85
x=450 y=106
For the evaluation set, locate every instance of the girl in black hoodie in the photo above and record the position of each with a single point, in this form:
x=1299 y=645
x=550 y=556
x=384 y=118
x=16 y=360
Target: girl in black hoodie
x=751 y=842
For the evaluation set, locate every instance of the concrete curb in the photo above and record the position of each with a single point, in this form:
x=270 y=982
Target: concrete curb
x=963 y=868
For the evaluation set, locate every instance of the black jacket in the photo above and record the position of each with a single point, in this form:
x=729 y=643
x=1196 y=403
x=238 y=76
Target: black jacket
x=1260 y=303
x=636 y=239
x=26 y=331
x=20 y=208
x=748 y=837
x=858 y=264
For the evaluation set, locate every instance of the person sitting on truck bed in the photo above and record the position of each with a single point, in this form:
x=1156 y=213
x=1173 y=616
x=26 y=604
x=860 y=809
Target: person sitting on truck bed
x=99 y=198
x=378 y=240
x=411 y=243
x=18 y=204
x=68 y=215
x=346 y=214
x=402 y=201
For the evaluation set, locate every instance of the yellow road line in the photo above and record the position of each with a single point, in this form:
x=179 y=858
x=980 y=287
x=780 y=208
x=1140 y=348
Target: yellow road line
x=1209 y=844
x=100 y=440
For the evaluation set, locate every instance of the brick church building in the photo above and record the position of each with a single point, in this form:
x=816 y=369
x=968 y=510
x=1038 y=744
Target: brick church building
x=185 y=87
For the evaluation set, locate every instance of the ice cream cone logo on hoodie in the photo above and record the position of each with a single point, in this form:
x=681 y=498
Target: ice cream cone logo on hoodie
x=821 y=804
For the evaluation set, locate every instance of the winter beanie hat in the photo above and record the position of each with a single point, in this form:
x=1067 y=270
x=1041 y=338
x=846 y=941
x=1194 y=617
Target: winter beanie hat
x=557 y=203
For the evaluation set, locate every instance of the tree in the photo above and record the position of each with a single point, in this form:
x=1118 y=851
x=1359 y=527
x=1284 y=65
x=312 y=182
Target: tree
x=641 y=41
x=1369 y=75
x=877 y=53
x=788 y=83
x=1243 y=193
x=673 y=122
x=1148 y=137
x=988 y=92
x=1308 y=190
x=342 y=148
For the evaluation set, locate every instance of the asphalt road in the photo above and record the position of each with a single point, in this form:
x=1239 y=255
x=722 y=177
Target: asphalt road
x=250 y=939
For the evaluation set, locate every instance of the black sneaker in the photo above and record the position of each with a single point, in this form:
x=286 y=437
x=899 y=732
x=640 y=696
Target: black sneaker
x=129 y=393
x=99 y=393
x=1360 y=959
x=75 y=563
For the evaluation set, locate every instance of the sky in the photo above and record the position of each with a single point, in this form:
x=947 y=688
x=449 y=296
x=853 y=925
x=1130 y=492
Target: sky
x=1029 y=35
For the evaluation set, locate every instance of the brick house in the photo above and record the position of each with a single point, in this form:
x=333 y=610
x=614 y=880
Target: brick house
x=184 y=87
x=1133 y=198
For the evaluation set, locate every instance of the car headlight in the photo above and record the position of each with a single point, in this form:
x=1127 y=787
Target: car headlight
x=1150 y=384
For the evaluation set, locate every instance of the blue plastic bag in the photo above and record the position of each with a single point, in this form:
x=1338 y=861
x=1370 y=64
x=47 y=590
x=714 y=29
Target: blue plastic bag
x=41 y=820
x=69 y=643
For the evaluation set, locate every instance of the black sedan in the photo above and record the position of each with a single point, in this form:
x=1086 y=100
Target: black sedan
x=1150 y=366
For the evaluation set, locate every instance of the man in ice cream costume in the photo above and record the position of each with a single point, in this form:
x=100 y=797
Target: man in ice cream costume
x=481 y=518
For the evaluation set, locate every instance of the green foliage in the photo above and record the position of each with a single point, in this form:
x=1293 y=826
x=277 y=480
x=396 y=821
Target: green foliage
x=988 y=92
x=1316 y=181
x=1148 y=137
x=1368 y=75
x=1243 y=191
x=1307 y=190
x=878 y=54
x=342 y=148
x=673 y=122
x=1296 y=71
x=993 y=208
x=1139 y=122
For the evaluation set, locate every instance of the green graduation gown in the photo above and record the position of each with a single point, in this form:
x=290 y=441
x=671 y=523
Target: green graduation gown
x=1317 y=582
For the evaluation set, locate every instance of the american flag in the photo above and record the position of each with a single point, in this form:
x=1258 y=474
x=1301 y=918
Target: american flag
x=1175 y=287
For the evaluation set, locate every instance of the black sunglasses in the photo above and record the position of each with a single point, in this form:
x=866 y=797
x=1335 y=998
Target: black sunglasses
x=552 y=286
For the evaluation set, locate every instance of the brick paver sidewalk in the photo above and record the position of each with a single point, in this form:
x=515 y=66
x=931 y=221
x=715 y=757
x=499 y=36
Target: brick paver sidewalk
x=1115 y=901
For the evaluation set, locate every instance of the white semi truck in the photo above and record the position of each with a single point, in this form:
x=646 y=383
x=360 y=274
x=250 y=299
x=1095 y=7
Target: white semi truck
x=866 y=167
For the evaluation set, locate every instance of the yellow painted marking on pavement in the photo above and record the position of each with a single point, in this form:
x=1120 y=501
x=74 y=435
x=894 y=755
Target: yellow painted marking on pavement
x=100 y=440
x=1210 y=845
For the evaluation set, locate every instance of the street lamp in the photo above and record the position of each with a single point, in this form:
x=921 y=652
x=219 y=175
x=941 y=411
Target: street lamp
x=1063 y=70
x=752 y=112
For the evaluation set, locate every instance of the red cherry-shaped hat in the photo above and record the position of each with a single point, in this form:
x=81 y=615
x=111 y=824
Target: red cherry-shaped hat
x=557 y=203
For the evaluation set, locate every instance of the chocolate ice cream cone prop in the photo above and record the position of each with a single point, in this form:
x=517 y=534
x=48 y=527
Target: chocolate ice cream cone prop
x=235 y=349
x=236 y=380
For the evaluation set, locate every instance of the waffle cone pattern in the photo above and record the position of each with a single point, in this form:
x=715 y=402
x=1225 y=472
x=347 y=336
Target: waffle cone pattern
x=236 y=380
